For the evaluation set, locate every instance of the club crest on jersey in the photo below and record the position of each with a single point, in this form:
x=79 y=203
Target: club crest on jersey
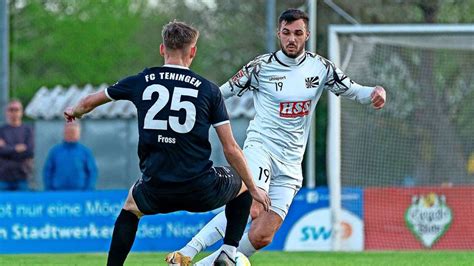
x=295 y=109
x=312 y=82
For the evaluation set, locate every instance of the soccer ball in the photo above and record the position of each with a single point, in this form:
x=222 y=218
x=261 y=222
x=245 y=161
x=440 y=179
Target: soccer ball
x=241 y=260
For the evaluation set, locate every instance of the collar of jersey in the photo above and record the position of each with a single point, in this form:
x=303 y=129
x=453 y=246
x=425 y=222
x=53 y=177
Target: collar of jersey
x=288 y=61
x=176 y=66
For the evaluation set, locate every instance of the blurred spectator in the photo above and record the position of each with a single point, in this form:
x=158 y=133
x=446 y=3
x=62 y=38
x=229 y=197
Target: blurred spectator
x=16 y=150
x=70 y=165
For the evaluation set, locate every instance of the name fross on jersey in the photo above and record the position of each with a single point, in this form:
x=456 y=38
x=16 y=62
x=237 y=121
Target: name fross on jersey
x=163 y=139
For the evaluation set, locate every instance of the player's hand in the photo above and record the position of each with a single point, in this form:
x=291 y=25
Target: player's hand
x=261 y=196
x=2 y=143
x=378 y=97
x=69 y=114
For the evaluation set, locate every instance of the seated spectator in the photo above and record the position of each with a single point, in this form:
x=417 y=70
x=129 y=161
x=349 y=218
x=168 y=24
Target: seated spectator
x=70 y=165
x=16 y=150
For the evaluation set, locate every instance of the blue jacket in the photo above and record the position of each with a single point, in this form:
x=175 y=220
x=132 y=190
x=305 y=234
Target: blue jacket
x=70 y=166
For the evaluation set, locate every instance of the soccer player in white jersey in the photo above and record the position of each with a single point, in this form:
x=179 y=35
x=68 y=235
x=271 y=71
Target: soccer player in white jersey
x=286 y=86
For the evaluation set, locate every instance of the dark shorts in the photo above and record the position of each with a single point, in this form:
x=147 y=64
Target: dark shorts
x=226 y=186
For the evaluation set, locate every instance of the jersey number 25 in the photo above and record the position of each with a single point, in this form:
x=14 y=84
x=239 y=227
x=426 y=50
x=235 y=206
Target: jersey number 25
x=176 y=105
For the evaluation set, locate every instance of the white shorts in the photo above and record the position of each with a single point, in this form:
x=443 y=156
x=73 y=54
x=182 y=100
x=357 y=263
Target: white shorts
x=280 y=180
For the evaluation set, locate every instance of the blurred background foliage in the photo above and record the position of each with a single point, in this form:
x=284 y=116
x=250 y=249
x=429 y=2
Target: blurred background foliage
x=65 y=42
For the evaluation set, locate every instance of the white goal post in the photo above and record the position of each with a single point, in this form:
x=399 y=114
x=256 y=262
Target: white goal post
x=341 y=57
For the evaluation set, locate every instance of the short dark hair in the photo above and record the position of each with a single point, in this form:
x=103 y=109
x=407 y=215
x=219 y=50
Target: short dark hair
x=178 y=35
x=293 y=14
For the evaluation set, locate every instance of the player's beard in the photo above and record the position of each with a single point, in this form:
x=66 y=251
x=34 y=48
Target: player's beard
x=294 y=54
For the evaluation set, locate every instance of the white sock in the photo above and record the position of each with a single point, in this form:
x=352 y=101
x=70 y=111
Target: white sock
x=245 y=247
x=212 y=232
x=209 y=260
x=192 y=248
x=207 y=236
x=230 y=250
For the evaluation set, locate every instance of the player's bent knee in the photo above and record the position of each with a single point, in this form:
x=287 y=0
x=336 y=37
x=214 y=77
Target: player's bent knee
x=260 y=240
x=264 y=228
x=134 y=210
x=131 y=206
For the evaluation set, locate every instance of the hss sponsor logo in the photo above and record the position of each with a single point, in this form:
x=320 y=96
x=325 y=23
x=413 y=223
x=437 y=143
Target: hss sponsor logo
x=295 y=109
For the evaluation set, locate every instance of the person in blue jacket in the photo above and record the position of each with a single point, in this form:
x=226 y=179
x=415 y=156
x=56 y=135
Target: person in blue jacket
x=70 y=165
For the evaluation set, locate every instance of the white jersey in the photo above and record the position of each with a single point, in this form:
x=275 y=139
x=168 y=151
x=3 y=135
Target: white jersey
x=285 y=93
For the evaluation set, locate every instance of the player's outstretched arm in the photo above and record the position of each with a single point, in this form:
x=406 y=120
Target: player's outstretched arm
x=236 y=159
x=85 y=105
x=340 y=84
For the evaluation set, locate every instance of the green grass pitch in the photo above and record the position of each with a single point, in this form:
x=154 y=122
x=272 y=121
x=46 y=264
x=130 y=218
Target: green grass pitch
x=420 y=258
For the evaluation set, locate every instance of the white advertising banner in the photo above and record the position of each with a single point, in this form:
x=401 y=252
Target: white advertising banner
x=312 y=232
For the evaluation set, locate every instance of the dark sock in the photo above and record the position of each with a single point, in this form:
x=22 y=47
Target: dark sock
x=122 y=239
x=237 y=213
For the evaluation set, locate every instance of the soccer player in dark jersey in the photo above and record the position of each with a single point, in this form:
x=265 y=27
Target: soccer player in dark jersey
x=176 y=108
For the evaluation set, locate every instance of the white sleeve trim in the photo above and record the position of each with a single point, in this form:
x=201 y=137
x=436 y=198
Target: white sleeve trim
x=221 y=123
x=108 y=95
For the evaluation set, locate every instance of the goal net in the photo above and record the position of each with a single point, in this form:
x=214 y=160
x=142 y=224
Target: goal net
x=415 y=158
